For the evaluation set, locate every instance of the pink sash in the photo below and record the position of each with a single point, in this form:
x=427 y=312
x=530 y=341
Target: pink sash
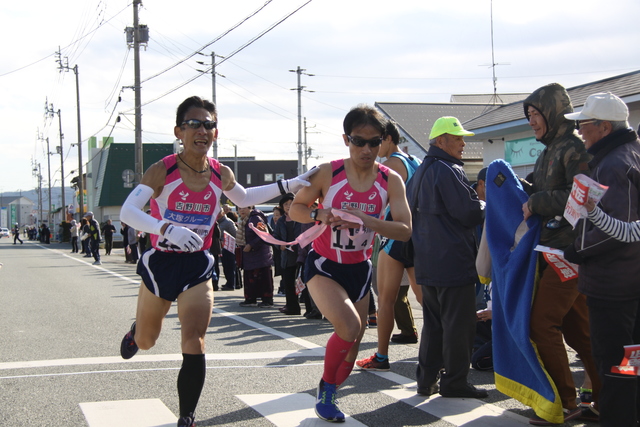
x=311 y=234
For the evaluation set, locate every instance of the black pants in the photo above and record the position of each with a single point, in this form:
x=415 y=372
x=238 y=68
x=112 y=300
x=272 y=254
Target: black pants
x=229 y=267
x=614 y=324
x=289 y=280
x=74 y=244
x=447 y=336
x=108 y=244
x=16 y=237
x=94 y=248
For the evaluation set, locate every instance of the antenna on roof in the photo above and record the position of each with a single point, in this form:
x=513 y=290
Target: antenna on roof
x=495 y=98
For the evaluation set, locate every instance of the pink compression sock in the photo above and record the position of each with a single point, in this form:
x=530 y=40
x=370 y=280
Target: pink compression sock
x=343 y=371
x=336 y=351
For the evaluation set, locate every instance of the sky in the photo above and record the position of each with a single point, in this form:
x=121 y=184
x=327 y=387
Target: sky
x=358 y=51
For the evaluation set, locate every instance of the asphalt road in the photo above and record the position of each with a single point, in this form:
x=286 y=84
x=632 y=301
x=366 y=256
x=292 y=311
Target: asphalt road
x=62 y=320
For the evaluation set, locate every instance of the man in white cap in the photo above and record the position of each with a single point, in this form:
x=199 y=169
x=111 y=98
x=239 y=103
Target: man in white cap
x=445 y=212
x=609 y=269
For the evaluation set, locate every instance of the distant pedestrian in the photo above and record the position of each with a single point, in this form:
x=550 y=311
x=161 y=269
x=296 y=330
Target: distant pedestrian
x=74 y=236
x=16 y=234
x=107 y=231
x=93 y=229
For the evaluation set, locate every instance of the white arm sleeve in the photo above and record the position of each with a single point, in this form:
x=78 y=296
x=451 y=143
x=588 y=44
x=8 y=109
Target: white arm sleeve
x=243 y=197
x=132 y=214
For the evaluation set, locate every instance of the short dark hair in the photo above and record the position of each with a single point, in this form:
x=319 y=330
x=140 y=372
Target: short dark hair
x=285 y=199
x=363 y=115
x=194 y=102
x=392 y=131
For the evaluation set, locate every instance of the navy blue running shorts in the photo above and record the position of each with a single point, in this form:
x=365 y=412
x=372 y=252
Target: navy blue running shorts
x=354 y=278
x=393 y=248
x=167 y=274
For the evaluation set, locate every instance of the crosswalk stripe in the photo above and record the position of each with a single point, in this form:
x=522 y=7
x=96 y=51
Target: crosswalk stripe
x=289 y=410
x=131 y=413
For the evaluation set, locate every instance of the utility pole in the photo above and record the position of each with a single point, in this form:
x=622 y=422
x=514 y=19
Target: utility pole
x=307 y=151
x=59 y=150
x=138 y=100
x=38 y=174
x=299 y=71
x=49 y=175
x=65 y=67
x=213 y=90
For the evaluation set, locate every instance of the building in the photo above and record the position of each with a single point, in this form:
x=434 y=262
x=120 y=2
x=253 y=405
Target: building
x=416 y=119
x=505 y=132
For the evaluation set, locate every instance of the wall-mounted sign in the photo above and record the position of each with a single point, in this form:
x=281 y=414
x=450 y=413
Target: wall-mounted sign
x=522 y=151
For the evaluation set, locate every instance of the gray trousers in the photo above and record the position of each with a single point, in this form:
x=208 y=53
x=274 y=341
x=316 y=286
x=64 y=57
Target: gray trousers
x=447 y=336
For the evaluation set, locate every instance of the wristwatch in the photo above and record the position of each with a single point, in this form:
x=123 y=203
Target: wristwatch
x=314 y=214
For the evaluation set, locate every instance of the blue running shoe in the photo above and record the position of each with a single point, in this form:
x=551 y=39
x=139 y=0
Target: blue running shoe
x=128 y=347
x=327 y=403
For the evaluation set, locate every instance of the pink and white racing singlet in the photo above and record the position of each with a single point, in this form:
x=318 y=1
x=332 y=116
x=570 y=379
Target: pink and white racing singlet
x=179 y=205
x=346 y=246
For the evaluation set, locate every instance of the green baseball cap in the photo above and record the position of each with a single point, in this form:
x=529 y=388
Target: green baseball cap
x=450 y=125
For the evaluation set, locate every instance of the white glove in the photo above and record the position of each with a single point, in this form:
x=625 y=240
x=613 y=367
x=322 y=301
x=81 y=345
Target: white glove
x=185 y=239
x=295 y=184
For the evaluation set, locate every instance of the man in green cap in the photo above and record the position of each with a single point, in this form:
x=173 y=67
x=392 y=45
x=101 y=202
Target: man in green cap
x=446 y=211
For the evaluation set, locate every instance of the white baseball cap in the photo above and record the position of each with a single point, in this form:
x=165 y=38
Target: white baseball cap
x=602 y=106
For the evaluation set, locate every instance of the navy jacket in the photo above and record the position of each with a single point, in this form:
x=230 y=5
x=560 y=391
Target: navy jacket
x=444 y=221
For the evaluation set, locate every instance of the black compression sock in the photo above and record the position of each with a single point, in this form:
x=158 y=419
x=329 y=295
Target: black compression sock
x=190 y=382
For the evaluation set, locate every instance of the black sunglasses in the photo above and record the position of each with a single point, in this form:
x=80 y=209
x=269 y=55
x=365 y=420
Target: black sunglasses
x=359 y=142
x=195 y=124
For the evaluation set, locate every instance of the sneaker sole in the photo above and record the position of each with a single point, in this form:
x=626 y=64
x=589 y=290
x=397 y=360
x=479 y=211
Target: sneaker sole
x=331 y=420
x=364 y=368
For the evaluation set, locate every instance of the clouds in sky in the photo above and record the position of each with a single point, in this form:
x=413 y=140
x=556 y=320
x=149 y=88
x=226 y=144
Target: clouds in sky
x=358 y=50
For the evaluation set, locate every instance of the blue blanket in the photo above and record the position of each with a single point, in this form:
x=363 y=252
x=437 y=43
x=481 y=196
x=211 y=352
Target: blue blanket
x=518 y=370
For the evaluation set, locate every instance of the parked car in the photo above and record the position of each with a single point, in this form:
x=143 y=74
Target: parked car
x=4 y=232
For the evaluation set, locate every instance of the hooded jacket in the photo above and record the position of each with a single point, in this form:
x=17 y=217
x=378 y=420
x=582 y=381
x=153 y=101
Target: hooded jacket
x=609 y=269
x=564 y=157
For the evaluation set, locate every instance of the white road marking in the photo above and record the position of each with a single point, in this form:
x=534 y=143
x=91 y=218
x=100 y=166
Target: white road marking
x=283 y=410
x=131 y=413
x=289 y=410
x=459 y=412
x=146 y=358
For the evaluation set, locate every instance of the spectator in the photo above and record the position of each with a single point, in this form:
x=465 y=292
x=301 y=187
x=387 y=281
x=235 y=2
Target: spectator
x=609 y=269
x=558 y=308
x=93 y=230
x=288 y=230
x=256 y=261
x=74 y=236
x=16 y=234
x=83 y=239
x=277 y=265
x=228 y=258
x=447 y=210
x=132 y=241
x=107 y=231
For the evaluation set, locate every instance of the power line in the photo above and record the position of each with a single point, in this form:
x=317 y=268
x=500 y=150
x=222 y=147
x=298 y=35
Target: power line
x=226 y=57
x=208 y=44
x=67 y=46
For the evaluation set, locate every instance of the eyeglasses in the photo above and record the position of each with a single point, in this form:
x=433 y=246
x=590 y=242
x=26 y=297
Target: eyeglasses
x=585 y=122
x=359 y=142
x=195 y=124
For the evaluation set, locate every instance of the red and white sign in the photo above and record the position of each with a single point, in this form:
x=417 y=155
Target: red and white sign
x=583 y=188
